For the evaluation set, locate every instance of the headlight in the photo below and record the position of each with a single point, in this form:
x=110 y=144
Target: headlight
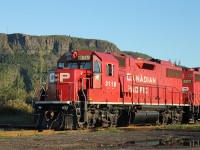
x=64 y=107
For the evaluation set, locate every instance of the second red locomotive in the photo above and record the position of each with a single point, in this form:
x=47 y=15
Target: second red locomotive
x=91 y=88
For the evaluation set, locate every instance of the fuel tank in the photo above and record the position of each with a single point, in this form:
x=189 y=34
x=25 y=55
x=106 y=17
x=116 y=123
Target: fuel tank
x=144 y=117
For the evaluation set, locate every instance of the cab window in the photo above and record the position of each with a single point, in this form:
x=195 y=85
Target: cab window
x=97 y=67
x=79 y=65
x=61 y=65
x=85 y=65
x=110 y=70
x=73 y=65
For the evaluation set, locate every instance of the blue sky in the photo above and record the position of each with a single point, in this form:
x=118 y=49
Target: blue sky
x=164 y=29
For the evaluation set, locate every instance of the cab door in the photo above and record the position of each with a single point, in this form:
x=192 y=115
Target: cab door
x=97 y=73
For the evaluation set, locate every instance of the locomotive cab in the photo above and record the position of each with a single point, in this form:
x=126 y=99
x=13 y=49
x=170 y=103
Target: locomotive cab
x=85 y=73
x=72 y=75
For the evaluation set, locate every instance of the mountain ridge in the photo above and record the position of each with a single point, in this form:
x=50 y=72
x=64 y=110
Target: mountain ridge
x=10 y=43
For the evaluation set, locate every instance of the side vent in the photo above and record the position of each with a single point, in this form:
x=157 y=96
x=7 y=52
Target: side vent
x=197 y=77
x=172 y=73
x=146 y=66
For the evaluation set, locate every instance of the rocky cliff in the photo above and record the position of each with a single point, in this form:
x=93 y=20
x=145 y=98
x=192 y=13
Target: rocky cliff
x=10 y=43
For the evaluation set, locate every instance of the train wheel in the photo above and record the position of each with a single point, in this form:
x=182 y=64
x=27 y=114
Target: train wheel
x=68 y=119
x=57 y=123
x=41 y=123
x=113 y=118
x=113 y=121
x=105 y=123
x=165 y=118
x=177 y=118
x=123 y=118
x=91 y=119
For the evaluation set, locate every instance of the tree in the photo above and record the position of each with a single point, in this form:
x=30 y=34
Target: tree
x=12 y=84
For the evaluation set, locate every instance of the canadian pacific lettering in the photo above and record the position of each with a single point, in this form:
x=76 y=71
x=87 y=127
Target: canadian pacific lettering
x=139 y=79
x=137 y=89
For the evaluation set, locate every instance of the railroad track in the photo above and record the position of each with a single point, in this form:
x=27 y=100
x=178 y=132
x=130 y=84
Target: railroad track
x=9 y=130
x=11 y=127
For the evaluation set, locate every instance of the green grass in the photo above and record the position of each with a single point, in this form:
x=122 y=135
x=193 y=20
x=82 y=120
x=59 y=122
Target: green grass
x=110 y=131
x=183 y=126
x=6 y=137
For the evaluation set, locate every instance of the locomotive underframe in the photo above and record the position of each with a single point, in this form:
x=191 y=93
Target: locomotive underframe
x=68 y=115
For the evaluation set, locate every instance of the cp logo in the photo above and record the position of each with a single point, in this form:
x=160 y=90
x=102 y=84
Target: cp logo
x=64 y=76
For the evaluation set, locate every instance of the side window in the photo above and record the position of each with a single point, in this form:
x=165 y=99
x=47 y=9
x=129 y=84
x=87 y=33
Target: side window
x=110 y=70
x=85 y=65
x=97 y=67
x=61 y=65
x=72 y=65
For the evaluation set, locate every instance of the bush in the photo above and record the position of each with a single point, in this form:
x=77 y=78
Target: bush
x=13 y=107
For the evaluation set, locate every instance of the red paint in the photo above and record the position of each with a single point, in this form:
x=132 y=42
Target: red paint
x=133 y=81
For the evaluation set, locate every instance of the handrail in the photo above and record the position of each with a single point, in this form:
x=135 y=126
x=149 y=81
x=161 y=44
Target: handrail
x=173 y=90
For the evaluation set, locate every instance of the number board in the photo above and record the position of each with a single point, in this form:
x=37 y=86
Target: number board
x=84 y=57
x=187 y=81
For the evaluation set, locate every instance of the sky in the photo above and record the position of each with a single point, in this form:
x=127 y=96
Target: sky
x=163 y=29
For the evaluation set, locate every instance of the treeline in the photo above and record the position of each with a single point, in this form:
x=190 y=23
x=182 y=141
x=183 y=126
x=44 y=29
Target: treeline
x=20 y=73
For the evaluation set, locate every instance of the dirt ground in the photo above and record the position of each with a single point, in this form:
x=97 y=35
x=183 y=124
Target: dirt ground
x=120 y=138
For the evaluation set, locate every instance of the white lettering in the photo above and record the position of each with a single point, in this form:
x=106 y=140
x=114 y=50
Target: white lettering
x=111 y=83
x=137 y=78
x=52 y=77
x=129 y=77
x=141 y=79
x=137 y=89
x=145 y=79
x=64 y=76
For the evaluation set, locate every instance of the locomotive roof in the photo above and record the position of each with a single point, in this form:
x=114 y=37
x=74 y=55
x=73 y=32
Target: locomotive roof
x=193 y=69
x=106 y=56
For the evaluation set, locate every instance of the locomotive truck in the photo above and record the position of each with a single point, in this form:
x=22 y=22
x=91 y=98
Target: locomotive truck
x=91 y=89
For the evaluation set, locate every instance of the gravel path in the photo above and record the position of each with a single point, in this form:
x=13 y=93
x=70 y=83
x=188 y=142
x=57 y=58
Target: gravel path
x=102 y=139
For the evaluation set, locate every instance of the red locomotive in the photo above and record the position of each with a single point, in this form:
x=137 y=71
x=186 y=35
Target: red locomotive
x=91 y=88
